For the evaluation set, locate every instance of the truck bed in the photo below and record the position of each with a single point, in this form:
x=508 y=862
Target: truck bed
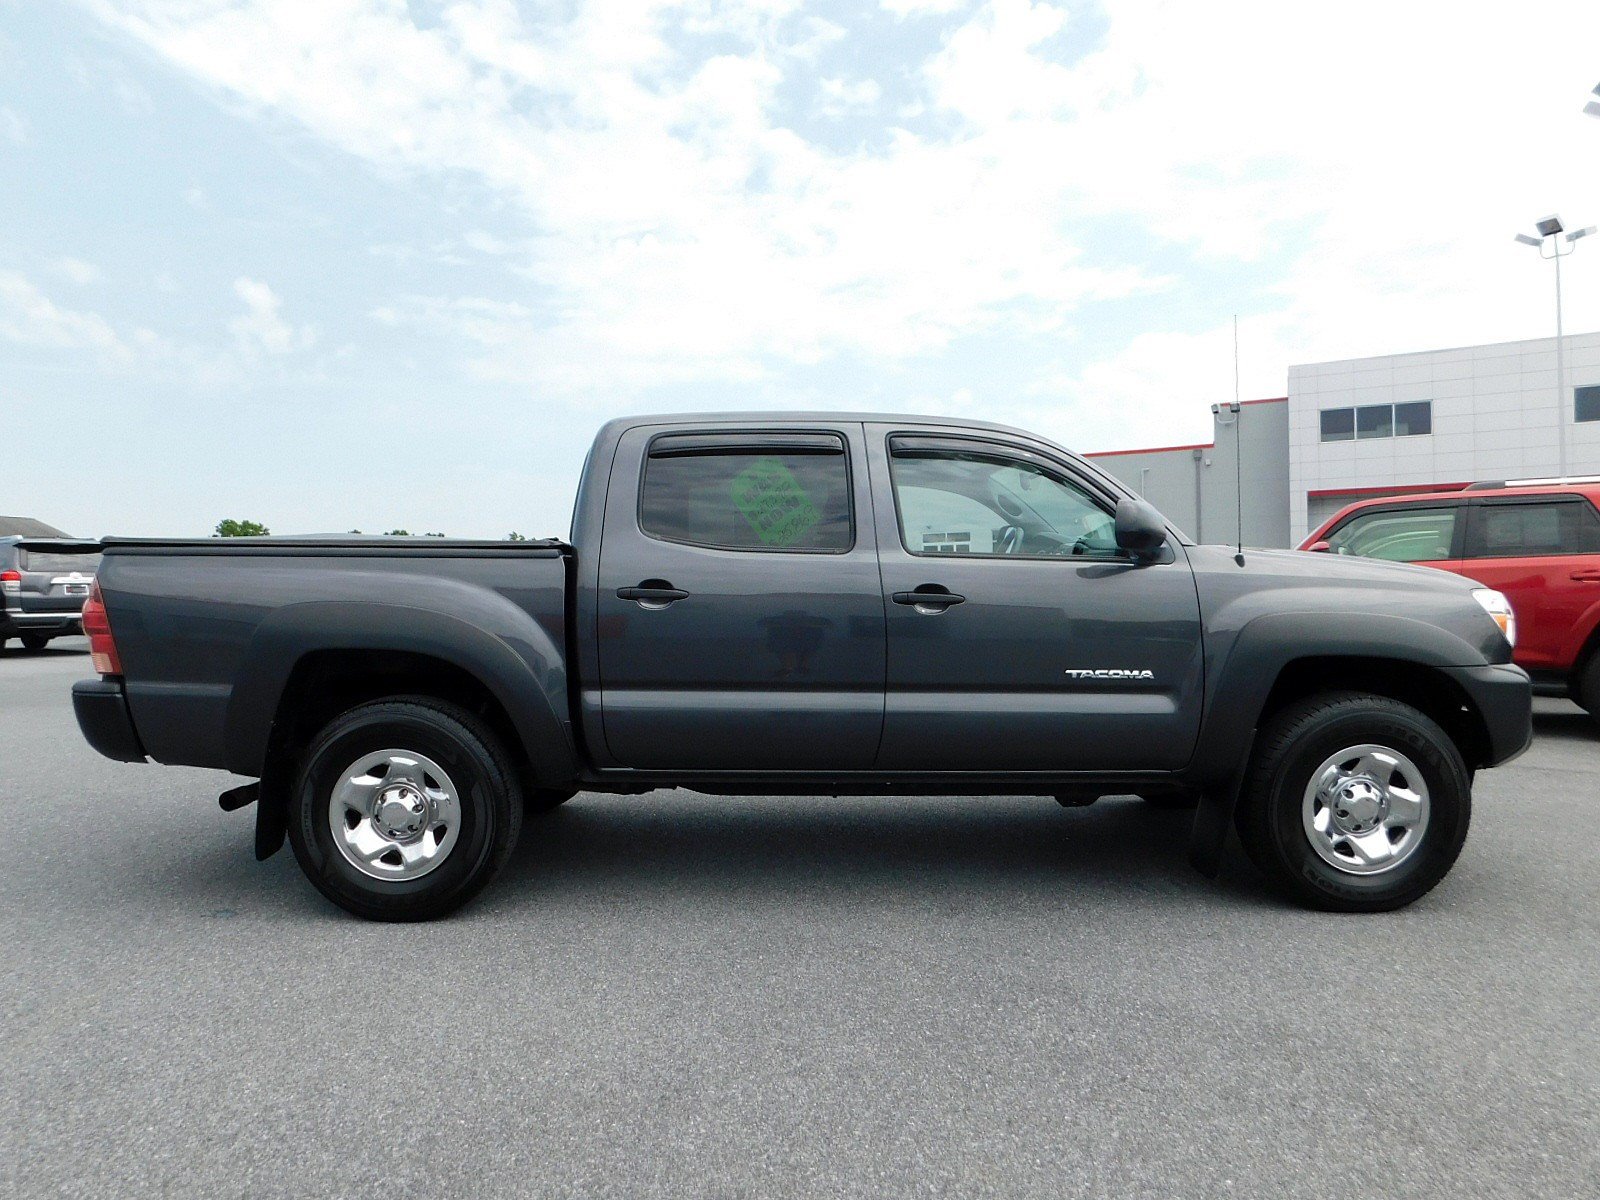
x=210 y=628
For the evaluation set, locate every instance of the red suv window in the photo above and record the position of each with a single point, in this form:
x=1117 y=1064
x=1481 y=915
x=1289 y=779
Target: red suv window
x=1398 y=534
x=1529 y=529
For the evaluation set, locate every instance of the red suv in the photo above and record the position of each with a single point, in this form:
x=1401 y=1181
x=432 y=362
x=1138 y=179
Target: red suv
x=1538 y=544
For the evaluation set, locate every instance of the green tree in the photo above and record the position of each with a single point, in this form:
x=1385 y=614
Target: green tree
x=398 y=533
x=232 y=528
x=514 y=536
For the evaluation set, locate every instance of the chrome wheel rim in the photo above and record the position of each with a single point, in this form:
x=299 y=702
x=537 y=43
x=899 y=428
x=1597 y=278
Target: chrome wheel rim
x=1366 y=809
x=394 y=815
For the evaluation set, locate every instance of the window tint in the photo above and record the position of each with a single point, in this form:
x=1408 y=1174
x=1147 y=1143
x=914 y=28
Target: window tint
x=1528 y=530
x=1375 y=421
x=732 y=496
x=1586 y=403
x=955 y=502
x=1378 y=421
x=1338 y=424
x=1414 y=418
x=1397 y=535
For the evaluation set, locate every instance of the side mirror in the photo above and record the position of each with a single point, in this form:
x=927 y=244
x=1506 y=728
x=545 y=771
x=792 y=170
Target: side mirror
x=1139 y=529
x=1319 y=548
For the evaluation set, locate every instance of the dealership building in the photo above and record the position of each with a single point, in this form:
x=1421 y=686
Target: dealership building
x=1368 y=427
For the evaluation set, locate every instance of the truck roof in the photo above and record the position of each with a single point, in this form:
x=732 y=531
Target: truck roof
x=808 y=417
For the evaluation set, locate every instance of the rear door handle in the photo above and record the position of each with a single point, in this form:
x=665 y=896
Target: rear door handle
x=1587 y=575
x=652 y=593
x=930 y=597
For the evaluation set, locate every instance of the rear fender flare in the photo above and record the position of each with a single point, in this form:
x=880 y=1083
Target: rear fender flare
x=515 y=659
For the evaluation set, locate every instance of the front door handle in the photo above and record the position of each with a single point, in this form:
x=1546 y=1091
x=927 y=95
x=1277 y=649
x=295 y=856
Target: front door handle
x=1587 y=575
x=653 y=594
x=929 y=598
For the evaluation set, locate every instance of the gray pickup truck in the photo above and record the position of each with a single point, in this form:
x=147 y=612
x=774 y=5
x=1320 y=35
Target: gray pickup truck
x=805 y=604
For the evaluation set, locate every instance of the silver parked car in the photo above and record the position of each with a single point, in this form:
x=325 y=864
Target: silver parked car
x=41 y=594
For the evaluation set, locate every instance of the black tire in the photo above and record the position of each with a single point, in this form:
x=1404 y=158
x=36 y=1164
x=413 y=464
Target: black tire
x=1293 y=744
x=489 y=799
x=1587 y=693
x=34 y=642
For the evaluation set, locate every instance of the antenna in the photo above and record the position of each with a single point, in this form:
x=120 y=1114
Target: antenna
x=1238 y=450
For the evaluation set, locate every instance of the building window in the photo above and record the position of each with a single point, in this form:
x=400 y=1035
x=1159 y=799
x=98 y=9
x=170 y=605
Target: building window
x=1375 y=421
x=1338 y=424
x=1413 y=419
x=1586 y=403
x=1387 y=420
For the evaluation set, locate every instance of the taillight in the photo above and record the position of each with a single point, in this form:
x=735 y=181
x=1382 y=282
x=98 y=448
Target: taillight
x=11 y=582
x=102 y=647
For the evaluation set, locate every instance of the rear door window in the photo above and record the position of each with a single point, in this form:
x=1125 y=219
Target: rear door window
x=734 y=492
x=1398 y=534
x=1533 y=530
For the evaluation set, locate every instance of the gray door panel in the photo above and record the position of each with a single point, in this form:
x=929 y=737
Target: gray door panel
x=773 y=659
x=984 y=684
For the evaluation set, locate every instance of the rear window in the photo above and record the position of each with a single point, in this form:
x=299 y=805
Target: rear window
x=727 y=494
x=1533 y=530
x=41 y=563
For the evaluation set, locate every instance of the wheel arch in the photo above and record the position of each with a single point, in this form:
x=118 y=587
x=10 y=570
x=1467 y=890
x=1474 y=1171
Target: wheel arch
x=309 y=661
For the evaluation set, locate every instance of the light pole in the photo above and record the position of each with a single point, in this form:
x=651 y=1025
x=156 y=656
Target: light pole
x=1593 y=107
x=1550 y=235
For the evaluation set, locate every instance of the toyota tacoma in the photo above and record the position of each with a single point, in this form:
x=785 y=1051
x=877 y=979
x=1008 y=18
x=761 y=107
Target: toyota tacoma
x=809 y=604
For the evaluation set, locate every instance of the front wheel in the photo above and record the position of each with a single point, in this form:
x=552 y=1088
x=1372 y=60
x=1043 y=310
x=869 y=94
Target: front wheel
x=1354 y=803
x=34 y=642
x=405 y=809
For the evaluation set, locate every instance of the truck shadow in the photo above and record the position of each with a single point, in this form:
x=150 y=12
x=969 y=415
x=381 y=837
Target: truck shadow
x=1568 y=723
x=773 y=847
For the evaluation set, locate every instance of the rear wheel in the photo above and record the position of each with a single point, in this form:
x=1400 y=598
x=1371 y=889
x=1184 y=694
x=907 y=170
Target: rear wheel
x=34 y=641
x=405 y=809
x=1354 y=803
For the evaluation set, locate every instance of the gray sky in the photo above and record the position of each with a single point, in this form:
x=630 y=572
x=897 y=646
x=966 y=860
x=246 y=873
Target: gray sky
x=362 y=265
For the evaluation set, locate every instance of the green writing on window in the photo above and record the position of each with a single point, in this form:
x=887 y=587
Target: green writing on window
x=772 y=500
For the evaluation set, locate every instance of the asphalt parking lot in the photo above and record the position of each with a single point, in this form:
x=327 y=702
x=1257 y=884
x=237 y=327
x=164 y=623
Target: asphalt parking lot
x=685 y=995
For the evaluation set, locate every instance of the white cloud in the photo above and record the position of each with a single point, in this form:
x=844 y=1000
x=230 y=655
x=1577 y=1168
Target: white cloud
x=30 y=318
x=1347 y=176
x=840 y=96
x=261 y=326
x=77 y=271
x=920 y=8
x=13 y=126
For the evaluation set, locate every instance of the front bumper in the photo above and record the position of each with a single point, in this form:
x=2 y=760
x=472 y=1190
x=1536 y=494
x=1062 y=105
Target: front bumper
x=102 y=710
x=1503 y=696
